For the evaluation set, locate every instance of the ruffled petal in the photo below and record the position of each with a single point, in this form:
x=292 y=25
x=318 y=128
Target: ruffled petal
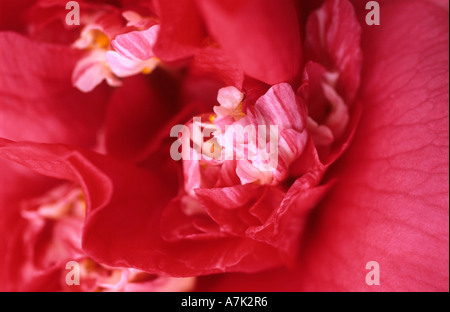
x=137 y=45
x=124 y=207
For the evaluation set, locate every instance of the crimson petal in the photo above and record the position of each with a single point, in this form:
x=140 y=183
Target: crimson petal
x=37 y=100
x=262 y=36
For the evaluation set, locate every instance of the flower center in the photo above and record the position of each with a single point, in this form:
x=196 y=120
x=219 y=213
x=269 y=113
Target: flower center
x=99 y=39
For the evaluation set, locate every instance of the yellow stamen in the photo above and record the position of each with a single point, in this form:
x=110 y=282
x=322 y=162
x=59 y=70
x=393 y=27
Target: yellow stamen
x=212 y=117
x=239 y=111
x=146 y=70
x=100 y=39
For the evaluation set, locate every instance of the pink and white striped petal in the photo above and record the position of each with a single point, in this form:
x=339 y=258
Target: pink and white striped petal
x=122 y=66
x=137 y=45
x=91 y=70
x=230 y=99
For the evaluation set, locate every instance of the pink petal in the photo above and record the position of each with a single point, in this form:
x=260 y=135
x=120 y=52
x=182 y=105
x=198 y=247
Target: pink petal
x=229 y=98
x=248 y=173
x=137 y=45
x=279 y=107
x=122 y=66
x=290 y=146
x=91 y=70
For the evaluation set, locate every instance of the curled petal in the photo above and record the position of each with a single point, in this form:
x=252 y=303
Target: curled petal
x=122 y=226
x=137 y=45
x=122 y=66
x=91 y=70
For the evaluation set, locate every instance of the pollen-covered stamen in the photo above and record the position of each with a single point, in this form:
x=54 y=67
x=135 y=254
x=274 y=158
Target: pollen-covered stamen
x=92 y=38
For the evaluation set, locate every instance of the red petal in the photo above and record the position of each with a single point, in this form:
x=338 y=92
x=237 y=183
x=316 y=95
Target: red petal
x=137 y=45
x=229 y=206
x=37 y=100
x=391 y=205
x=181 y=32
x=212 y=61
x=279 y=107
x=12 y=14
x=261 y=36
x=131 y=125
x=287 y=223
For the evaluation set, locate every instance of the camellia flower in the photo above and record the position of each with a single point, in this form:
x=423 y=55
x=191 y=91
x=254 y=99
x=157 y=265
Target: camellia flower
x=347 y=164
